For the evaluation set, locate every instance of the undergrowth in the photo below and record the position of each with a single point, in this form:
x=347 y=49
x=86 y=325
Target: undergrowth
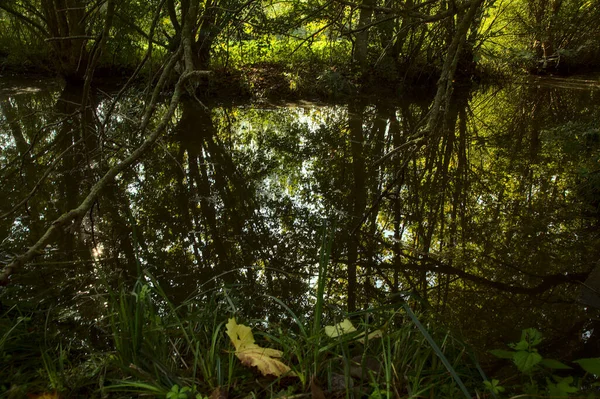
x=146 y=346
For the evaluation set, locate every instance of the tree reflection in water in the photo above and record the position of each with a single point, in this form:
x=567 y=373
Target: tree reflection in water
x=492 y=219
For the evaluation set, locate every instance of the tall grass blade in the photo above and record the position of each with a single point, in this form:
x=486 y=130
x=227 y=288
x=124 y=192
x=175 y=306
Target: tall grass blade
x=326 y=245
x=437 y=350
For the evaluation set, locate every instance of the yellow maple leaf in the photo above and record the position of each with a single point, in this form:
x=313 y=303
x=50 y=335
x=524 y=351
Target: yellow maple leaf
x=250 y=354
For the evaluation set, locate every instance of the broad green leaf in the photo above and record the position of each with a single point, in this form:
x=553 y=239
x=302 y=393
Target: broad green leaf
x=532 y=336
x=525 y=361
x=554 y=364
x=251 y=354
x=591 y=365
x=502 y=354
x=345 y=327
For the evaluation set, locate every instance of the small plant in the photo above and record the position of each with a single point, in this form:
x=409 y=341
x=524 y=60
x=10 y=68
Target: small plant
x=532 y=364
x=183 y=393
x=494 y=386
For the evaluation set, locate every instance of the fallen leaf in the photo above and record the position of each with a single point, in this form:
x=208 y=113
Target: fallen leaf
x=346 y=327
x=252 y=355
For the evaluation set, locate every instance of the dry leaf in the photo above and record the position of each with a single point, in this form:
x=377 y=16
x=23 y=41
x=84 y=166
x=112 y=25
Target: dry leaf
x=315 y=390
x=251 y=354
x=219 y=393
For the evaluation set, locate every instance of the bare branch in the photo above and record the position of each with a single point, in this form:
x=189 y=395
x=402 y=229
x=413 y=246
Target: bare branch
x=82 y=37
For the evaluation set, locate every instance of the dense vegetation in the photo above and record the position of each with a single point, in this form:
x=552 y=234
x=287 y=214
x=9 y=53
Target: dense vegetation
x=372 y=40
x=375 y=248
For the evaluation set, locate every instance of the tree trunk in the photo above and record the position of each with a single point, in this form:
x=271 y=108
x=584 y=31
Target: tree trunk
x=67 y=27
x=362 y=37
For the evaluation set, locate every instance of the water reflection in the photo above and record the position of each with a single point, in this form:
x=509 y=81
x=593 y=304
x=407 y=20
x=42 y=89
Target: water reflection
x=492 y=220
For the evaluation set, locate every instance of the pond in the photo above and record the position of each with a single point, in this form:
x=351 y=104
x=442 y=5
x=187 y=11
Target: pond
x=493 y=221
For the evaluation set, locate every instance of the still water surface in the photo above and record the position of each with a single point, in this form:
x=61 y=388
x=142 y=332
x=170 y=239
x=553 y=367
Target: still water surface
x=493 y=221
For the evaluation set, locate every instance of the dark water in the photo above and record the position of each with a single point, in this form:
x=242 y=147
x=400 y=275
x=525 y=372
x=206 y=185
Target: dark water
x=493 y=221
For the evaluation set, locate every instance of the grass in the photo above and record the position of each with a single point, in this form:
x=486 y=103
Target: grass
x=159 y=350
x=156 y=349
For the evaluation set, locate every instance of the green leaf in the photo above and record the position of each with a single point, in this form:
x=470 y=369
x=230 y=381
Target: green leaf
x=590 y=365
x=532 y=336
x=525 y=361
x=520 y=346
x=562 y=389
x=502 y=354
x=529 y=337
x=494 y=386
x=554 y=364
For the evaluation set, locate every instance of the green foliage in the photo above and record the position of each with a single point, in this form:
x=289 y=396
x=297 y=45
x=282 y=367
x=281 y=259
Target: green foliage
x=529 y=362
x=183 y=393
x=561 y=387
x=494 y=386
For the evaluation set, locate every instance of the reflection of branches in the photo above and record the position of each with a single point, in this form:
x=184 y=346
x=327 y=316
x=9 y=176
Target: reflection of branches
x=40 y=181
x=433 y=265
x=419 y=137
x=47 y=126
x=392 y=185
x=72 y=218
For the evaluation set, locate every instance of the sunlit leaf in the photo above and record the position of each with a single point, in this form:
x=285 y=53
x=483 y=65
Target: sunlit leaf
x=345 y=327
x=372 y=335
x=252 y=355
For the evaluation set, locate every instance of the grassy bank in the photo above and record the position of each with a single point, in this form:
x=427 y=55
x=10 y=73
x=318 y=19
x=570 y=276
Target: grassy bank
x=139 y=344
